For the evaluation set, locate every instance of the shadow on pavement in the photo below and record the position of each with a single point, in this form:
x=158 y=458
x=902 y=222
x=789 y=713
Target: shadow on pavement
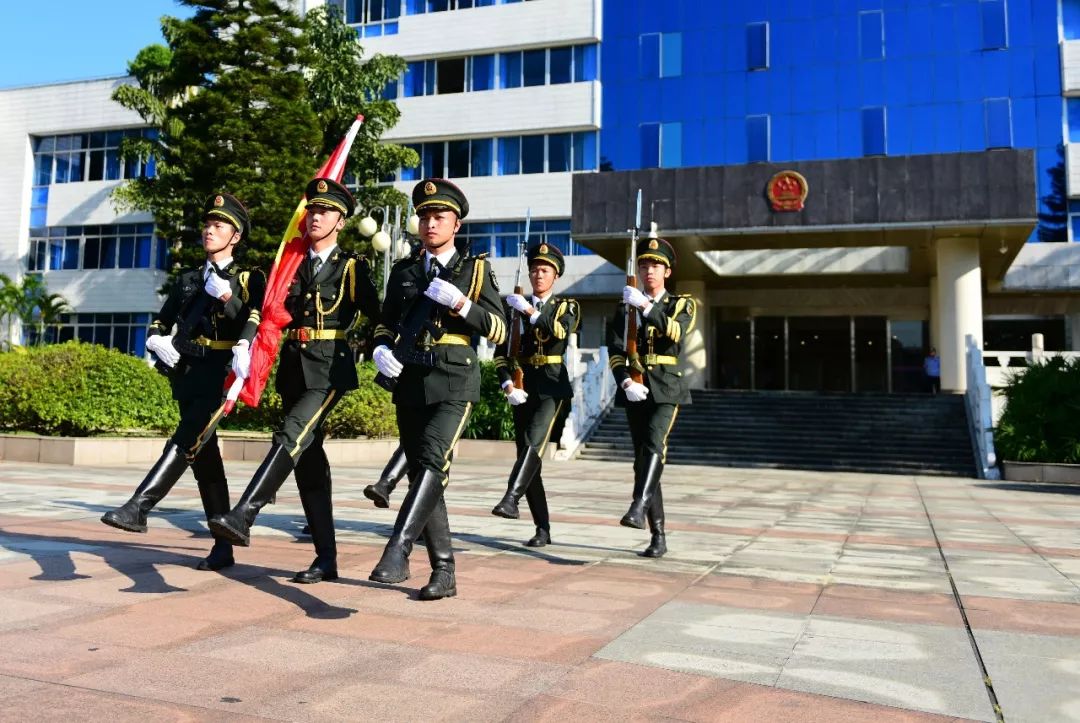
x=53 y=555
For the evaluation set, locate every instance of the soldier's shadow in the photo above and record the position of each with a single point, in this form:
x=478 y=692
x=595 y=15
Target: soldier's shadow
x=54 y=556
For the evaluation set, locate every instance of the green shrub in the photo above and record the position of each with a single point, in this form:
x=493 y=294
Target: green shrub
x=82 y=389
x=1041 y=412
x=491 y=417
x=364 y=412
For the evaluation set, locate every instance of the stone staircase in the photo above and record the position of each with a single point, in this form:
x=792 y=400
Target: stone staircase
x=884 y=433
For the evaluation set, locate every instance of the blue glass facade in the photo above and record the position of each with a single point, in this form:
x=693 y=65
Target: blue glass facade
x=785 y=81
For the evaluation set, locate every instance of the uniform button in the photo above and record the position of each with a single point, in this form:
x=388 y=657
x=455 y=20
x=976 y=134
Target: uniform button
x=307 y=313
x=307 y=296
x=333 y=296
x=303 y=346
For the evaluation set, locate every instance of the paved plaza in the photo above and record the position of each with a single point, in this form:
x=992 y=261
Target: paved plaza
x=798 y=596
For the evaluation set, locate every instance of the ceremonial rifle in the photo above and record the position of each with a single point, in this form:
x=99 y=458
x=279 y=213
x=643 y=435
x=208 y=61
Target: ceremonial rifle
x=417 y=321
x=513 y=344
x=630 y=331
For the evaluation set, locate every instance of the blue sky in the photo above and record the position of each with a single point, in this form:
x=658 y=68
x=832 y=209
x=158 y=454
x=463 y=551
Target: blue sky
x=58 y=40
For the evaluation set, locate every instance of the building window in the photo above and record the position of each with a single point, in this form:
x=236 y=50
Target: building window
x=650 y=145
x=660 y=55
x=995 y=25
x=757 y=138
x=873 y=132
x=757 y=46
x=116 y=246
x=585 y=63
x=561 y=65
x=998 y=113
x=534 y=67
x=512 y=155
x=872 y=35
x=88 y=157
x=1070 y=19
x=501 y=238
x=124 y=332
x=483 y=72
x=375 y=17
x=1072 y=108
x=670 y=145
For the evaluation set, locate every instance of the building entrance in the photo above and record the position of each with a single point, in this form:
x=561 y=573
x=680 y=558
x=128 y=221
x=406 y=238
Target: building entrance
x=819 y=353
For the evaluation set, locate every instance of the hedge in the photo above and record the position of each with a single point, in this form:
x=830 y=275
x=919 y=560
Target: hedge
x=76 y=389
x=1041 y=410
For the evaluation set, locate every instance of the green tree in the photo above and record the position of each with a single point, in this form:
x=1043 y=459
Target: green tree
x=245 y=101
x=51 y=310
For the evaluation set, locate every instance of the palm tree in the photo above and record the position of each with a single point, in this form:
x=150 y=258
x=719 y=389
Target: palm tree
x=51 y=309
x=9 y=294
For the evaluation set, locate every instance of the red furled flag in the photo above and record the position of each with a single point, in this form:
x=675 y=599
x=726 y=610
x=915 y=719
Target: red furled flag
x=274 y=315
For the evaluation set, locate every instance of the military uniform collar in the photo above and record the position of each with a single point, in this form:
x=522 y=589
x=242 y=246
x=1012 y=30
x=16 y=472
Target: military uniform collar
x=537 y=300
x=446 y=259
x=325 y=254
x=222 y=266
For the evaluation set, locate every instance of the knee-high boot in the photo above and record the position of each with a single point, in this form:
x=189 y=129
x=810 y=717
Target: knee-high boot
x=441 y=555
x=395 y=469
x=209 y=472
x=658 y=545
x=648 y=480
x=524 y=472
x=424 y=495
x=235 y=526
x=314 y=482
x=537 y=500
x=131 y=516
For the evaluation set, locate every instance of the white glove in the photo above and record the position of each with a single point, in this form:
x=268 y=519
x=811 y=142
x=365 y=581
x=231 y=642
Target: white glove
x=163 y=349
x=241 y=359
x=217 y=286
x=518 y=303
x=443 y=292
x=636 y=392
x=633 y=297
x=387 y=363
x=517 y=396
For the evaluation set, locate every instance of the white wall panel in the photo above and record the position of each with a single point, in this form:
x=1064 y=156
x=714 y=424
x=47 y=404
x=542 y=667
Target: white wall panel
x=85 y=203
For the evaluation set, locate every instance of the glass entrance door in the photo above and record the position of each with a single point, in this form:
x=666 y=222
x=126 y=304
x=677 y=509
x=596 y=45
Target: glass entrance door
x=820 y=353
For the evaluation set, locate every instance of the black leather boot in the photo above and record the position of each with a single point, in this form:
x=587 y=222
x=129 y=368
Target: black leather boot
x=424 y=495
x=235 y=526
x=395 y=469
x=131 y=516
x=441 y=555
x=526 y=469
x=209 y=472
x=658 y=545
x=313 y=481
x=644 y=487
x=538 y=507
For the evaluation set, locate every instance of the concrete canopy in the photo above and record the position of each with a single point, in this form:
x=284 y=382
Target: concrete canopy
x=908 y=202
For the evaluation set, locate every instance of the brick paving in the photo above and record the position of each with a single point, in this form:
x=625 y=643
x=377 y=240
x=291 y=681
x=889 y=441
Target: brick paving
x=785 y=596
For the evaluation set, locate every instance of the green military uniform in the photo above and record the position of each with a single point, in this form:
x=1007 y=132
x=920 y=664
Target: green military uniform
x=211 y=328
x=659 y=343
x=544 y=340
x=433 y=402
x=316 y=368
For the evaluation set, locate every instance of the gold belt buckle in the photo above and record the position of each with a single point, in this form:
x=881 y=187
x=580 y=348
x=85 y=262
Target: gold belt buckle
x=303 y=335
x=650 y=360
x=537 y=360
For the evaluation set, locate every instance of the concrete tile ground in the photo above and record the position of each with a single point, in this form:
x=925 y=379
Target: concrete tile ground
x=795 y=596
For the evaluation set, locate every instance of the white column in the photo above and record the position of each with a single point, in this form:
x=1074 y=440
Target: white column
x=695 y=345
x=935 y=314
x=959 y=296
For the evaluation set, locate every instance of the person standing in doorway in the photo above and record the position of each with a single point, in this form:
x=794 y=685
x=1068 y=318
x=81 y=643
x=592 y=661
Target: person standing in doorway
x=932 y=369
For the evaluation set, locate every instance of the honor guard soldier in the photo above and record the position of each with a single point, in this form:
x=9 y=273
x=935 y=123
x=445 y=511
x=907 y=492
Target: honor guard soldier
x=330 y=290
x=212 y=308
x=435 y=302
x=549 y=322
x=652 y=404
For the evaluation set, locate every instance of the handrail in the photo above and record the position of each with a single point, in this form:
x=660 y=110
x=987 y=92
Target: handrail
x=977 y=399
